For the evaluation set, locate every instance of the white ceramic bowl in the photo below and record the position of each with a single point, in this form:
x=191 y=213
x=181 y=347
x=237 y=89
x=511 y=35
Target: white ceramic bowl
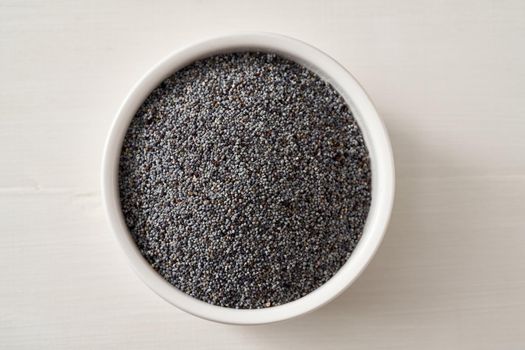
x=375 y=136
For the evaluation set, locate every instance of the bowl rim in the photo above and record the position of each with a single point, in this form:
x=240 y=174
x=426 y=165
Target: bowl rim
x=376 y=139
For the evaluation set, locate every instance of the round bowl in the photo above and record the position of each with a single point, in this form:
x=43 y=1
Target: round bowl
x=375 y=136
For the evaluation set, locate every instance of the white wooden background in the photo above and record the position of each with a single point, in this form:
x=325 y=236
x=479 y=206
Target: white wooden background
x=448 y=77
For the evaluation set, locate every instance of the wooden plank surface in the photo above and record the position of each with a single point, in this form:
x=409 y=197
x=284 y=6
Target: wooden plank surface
x=448 y=77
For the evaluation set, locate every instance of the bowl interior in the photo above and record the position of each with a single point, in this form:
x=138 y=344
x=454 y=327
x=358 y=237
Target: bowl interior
x=373 y=132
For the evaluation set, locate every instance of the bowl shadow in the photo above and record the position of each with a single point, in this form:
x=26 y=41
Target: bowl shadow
x=382 y=293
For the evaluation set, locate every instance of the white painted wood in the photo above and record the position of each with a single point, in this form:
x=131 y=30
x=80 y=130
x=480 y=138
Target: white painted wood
x=448 y=78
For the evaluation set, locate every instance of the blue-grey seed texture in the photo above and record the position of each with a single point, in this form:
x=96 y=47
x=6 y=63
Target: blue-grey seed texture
x=245 y=180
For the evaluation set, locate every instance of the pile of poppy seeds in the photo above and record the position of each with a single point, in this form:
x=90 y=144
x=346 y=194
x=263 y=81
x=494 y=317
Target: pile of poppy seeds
x=245 y=180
